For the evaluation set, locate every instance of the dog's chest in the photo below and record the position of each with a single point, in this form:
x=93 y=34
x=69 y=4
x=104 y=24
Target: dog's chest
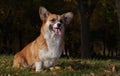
x=53 y=49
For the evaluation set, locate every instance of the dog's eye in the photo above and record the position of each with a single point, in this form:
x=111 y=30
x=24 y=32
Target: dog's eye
x=53 y=20
x=61 y=21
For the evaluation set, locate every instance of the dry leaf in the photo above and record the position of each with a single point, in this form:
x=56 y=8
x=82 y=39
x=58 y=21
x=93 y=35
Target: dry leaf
x=87 y=62
x=55 y=69
x=51 y=68
x=113 y=68
x=69 y=68
x=58 y=69
x=107 y=71
x=92 y=74
x=9 y=75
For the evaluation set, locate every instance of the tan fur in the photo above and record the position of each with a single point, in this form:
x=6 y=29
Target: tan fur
x=31 y=53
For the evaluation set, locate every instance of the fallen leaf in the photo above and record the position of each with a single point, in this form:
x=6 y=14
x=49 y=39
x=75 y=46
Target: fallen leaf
x=58 y=69
x=51 y=68
x=87 y=62
x=69 y=68
x=9 y=75
x=113 y=68
x=92 y=74
x=55 y=69
x=107 y=71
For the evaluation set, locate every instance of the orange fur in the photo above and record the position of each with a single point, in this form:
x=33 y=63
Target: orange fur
x=47 y=47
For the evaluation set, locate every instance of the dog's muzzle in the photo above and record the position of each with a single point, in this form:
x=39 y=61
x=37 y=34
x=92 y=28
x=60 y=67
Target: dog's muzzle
x=56 y=28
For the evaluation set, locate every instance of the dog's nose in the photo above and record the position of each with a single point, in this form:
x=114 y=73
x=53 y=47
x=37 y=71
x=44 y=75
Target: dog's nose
x=59 y=24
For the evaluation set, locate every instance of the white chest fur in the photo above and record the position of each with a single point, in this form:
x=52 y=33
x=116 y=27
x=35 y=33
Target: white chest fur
x=53 y=50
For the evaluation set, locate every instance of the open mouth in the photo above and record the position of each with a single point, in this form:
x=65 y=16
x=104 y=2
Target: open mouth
x=57 y=30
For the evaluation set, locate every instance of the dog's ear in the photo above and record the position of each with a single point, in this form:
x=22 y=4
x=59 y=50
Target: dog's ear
x=67 y=17
x=43 y=13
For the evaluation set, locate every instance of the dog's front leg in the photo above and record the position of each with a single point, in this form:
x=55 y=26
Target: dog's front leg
x=38 y=66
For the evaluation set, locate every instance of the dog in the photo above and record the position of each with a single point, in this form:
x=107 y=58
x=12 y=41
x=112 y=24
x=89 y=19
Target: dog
x=46 y=49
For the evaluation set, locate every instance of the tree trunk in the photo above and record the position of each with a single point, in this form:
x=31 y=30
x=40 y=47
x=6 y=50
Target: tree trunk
x=118 y=11
x=86 y=11
x=85 y=39
x=84 y=33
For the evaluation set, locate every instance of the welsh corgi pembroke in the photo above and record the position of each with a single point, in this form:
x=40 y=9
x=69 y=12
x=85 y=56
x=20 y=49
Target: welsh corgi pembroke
x=45 y=50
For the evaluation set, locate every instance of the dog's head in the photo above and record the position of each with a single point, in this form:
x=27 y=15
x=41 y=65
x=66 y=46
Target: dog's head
x=54 y=23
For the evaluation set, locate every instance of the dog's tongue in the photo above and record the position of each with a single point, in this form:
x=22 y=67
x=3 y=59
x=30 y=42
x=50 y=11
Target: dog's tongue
x=57 y=31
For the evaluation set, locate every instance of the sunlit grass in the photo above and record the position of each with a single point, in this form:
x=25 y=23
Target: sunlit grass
x=68 y=67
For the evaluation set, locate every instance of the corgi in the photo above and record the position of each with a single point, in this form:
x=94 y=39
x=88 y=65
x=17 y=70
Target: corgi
x=46 y=49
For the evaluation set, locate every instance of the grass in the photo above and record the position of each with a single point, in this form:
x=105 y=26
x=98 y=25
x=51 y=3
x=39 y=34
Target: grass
x=68 y=67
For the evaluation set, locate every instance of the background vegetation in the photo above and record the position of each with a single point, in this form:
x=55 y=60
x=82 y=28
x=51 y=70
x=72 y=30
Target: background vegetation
x=94 y=32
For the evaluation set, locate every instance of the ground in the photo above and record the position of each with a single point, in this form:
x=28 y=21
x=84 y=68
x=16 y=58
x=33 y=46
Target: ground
x=65 y=67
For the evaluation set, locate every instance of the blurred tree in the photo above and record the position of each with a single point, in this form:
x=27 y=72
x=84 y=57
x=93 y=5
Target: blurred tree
x=106 y=31
x=118 y=11
x=118 y=14
x=86 y=8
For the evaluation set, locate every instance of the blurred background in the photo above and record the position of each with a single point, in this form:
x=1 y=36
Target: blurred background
x=93 y=33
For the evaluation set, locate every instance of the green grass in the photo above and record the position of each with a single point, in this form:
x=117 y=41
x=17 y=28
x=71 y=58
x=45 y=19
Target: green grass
x=74 y=67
